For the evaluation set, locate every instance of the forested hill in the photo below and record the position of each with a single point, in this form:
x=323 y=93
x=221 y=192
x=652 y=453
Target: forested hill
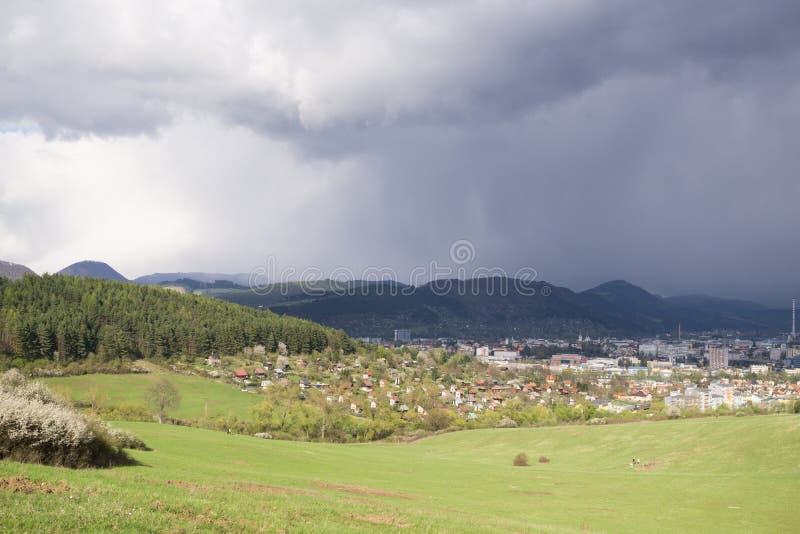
x=67 y=317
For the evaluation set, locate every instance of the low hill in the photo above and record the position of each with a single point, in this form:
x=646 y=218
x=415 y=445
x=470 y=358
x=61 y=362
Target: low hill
x=71 y=316
x=727 y=474
x=93 y=269
x=13 y=271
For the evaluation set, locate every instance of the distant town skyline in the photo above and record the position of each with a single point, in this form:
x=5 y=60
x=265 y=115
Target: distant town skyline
x=654 y=143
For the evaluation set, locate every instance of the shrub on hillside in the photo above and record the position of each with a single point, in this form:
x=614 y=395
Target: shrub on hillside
x=37 y=426
x=507 y=422
x=128 y=412
x=521 y=460
x=125 y=440
x=544 y=460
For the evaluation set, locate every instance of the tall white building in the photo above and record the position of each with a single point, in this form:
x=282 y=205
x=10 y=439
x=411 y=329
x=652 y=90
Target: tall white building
x=717 y=358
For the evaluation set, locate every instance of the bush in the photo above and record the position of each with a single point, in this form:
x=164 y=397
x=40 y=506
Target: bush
x=37 y=426
x=544 y=460
x=128 y=412
x=521 y=460
x=506 y=422
x=125 y=440
x=437 y=419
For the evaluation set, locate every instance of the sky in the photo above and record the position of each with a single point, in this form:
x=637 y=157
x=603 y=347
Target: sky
x=655 y=142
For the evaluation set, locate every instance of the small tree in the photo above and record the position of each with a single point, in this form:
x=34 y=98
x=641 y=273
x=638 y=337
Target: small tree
x=162 y=396
x=97 y=399
x=521 y=460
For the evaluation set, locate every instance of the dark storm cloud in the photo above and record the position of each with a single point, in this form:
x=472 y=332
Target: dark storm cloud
x=589 y=140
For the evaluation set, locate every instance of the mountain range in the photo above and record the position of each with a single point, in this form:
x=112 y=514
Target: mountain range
x=242 y=279
x=477 y=308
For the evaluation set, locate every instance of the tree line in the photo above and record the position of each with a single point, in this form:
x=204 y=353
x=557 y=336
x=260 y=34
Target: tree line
x=66 y=318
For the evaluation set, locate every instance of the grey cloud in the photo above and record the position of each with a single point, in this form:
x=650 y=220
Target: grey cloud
x=590 y=140
x=300 y=67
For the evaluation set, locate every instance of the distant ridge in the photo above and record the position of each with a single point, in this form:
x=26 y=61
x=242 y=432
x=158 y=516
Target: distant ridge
x=472 y=308
x=13 y=271
x=93 y=269
x=242 y=279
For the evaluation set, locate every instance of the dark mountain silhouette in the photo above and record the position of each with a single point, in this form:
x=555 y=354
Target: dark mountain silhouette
x=242 y=279
x=481 y=308
x=13 y=271
x=93 y=269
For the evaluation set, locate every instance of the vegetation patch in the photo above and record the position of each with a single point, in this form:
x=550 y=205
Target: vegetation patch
x=521 y=460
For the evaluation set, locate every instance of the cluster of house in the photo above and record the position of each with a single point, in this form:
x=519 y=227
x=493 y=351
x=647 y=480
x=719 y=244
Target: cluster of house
x=666 y=379
x=705 y=351
x=732 y=394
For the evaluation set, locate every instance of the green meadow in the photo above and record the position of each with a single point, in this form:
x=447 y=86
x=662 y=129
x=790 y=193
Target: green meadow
x=728 y=474
x=199 y=396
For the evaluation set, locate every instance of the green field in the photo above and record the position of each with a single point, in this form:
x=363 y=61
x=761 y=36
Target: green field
x=198 y=395
x=702 y=475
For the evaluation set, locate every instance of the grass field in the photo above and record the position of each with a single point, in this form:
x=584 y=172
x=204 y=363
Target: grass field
x=198 y=395
x=702 y=475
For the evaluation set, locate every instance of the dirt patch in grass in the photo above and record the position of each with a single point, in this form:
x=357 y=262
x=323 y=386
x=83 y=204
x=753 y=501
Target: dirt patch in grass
x=361 y=490
x=533 y=492
x=251 y=487
x=22 y=484
x=269 y=489
x=649 y=466
x=379 y=519
x=204 y=517
x=192 y=485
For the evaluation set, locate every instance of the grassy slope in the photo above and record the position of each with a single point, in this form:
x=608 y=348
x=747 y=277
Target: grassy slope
x=222 y=399
x=724 y=475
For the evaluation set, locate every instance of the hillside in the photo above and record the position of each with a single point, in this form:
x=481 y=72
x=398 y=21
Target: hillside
x=200 y=397
x=93 y=269
x=290 y=293
x=478 y=308
x=71 y=316
x=701 y=475
x=13 y=271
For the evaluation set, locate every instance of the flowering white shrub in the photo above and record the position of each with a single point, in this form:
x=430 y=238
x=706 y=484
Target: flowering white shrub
x=11 y=380
x=35 y=423
x=38 y=426
x=34 y=391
